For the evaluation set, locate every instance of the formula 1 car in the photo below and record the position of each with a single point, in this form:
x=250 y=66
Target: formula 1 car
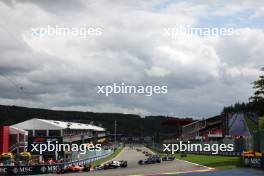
x=150 y=160
x=72 y=168
x=112 y=165
x=168 y=158
x=147 y=154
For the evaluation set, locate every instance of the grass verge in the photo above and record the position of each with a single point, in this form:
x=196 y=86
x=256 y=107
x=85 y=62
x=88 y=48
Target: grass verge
x=113 y=155
x=253 y=127
x=214 y=161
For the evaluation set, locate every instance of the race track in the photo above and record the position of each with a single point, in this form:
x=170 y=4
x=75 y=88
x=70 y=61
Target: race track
x=132 y=156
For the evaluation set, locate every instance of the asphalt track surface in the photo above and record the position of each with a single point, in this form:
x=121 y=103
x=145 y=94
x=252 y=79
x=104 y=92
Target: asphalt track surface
x=234 y=172
x=132 y=156
x=171 y=168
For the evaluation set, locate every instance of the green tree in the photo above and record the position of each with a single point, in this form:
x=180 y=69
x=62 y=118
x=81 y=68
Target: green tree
x=258 y=85
x=261 y=123
x=256 y=102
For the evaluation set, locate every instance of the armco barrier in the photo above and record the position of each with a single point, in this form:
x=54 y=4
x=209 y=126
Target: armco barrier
x=44 y=169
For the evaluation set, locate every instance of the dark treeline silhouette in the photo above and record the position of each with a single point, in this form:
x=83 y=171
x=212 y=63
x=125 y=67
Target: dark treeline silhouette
x=256 y=101
x=246 y=107
x=127 y=124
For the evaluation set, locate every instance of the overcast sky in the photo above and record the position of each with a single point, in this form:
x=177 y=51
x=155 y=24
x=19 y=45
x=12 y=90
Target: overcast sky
x=203 y=73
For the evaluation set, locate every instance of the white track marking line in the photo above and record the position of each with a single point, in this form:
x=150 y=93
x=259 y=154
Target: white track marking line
x=195 y=164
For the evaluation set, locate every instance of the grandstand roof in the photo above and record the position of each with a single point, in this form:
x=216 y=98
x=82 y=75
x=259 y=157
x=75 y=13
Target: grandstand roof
x=43 y=124
x=14 y=130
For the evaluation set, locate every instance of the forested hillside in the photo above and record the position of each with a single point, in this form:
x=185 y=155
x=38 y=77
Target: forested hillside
x=128 y=124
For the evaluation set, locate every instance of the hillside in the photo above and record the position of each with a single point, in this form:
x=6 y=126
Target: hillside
x=128 y=124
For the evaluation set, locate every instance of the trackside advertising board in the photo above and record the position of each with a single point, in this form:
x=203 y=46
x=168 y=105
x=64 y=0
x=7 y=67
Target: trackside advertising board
x=254 y=162
x=29 y=170
x=44 y=169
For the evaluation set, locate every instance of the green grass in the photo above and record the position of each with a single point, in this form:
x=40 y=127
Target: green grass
x=217 y=162
x=251 y=125
x=110 y=157
x=214 y=161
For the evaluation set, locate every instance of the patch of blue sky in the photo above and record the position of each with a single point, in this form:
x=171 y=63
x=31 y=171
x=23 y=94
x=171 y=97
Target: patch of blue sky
x=242 y=19
x=164 y=4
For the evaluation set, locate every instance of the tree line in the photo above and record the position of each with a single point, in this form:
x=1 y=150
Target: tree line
x=256 y=101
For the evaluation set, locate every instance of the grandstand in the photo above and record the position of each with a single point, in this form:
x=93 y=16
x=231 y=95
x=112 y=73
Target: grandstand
x=70 y=131
x=233 y=124
x=203 y=129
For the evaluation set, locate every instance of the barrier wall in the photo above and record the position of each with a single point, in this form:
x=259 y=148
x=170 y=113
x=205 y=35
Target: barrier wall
x=254 y=162
x=44 y=169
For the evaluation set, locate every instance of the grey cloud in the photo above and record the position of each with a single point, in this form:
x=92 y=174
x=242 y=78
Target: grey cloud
x=62 y=73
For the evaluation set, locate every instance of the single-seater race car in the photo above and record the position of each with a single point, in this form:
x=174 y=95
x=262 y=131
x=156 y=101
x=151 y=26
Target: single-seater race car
x=147 y=154
x=112 y=165
x=168 y=158
x=150 y=160
x=139 y=150
x=72 y=168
